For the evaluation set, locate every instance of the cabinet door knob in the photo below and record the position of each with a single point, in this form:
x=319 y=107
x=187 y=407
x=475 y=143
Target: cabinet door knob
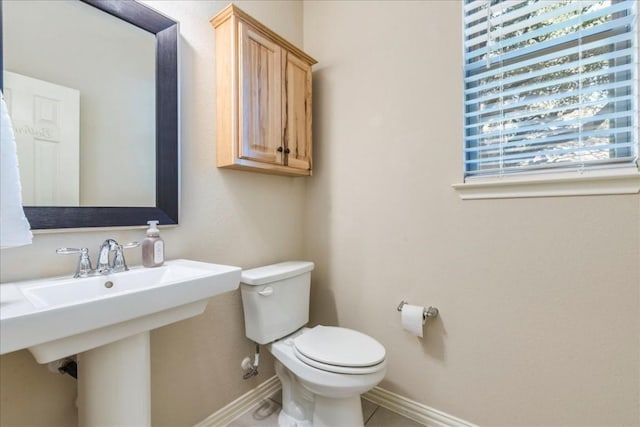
x=287 y=151
x=279 y=149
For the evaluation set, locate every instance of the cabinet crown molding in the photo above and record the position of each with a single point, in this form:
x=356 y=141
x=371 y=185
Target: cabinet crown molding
x=234 y=11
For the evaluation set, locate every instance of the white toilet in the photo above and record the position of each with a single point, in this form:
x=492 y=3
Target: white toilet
x=323 y=370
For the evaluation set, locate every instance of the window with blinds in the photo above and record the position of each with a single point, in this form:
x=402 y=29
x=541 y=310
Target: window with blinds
x=549 y=85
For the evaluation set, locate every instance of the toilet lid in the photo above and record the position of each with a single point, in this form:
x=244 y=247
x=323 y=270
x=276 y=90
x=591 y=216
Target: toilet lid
x=336 y=346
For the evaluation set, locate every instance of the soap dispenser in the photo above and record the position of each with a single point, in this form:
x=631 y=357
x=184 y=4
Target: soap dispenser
x=152 y=246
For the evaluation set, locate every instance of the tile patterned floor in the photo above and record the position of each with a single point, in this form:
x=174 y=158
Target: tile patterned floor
x=266 y=415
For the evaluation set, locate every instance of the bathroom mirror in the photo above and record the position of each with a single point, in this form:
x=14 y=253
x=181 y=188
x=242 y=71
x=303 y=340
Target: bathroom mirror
x=150 y=135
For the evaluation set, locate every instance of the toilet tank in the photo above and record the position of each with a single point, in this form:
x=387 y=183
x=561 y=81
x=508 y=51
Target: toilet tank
x=275 y=299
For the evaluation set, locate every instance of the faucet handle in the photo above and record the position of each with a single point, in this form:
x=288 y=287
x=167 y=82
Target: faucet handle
x=119 y=263
x=84 y=262
x=66 y=251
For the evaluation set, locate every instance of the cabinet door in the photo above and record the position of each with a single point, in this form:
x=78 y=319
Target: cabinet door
x=260 y=109
x=297 y=112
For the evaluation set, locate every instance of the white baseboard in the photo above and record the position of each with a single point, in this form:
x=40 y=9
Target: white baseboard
x=394 y=402
x=413 y=410
x=241 y=405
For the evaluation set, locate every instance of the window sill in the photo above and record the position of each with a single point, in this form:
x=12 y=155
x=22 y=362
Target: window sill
x=626 y=181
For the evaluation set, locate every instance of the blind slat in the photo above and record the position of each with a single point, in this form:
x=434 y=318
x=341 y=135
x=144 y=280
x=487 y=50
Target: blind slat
x=549 y=85
x=484 y=10
x=571 y=78
x=559 y=154
x=541 y=59
x=592 y=150
x=550 y=140
x=559 y=124
x=519 y=25
x=572 y=37
x=501 y=30
x=525 y=114
x=547 y=98
x=615 y=56
x=499 y=169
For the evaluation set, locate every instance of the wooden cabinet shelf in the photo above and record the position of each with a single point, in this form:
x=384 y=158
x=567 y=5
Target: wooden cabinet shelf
x=263 y=87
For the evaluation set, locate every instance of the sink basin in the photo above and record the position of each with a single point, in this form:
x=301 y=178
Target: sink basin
x=69 y=291
x=58 y=317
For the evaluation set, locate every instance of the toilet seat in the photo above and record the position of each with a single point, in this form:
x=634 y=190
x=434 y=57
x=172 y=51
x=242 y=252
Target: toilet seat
x=334 y=368
x=339 y=350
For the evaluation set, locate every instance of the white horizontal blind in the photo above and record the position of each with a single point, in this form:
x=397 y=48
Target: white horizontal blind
x=549 y=84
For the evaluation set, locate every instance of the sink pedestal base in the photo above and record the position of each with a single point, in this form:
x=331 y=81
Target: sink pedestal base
x=114 y=384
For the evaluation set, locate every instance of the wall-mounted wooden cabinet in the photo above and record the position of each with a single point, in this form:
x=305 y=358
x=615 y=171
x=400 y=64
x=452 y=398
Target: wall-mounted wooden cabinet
x=263 y=98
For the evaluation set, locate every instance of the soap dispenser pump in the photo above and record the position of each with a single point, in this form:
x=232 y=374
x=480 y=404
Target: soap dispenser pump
x=153 y=246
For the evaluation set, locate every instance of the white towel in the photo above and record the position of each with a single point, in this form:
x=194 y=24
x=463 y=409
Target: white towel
x=14 y=226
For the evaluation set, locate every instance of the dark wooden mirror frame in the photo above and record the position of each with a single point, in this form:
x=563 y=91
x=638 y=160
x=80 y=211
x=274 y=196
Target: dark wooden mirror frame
x=167 y=199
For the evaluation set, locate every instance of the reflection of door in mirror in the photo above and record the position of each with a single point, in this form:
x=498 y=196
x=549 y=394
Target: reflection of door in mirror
x=46 y=122
x=112 y=64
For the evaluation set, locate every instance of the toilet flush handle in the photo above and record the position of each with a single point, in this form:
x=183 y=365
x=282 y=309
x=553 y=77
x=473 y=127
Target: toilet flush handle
x=266 y=291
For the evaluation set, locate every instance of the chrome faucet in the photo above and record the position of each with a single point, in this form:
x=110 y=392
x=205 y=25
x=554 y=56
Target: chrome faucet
x=118 y=262
x=105 y=264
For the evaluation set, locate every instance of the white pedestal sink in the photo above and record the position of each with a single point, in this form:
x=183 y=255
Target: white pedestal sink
x=106 y=321
x=114 y=384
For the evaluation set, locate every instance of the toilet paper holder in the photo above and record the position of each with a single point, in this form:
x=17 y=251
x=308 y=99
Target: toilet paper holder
x=429 y=313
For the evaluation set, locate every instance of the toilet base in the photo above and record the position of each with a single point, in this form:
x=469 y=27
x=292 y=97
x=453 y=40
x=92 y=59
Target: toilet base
x=329 y=412
x=286 y=420
x=302 y=408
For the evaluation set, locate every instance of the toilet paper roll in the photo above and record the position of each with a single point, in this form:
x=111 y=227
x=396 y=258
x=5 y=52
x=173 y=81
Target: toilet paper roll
x=413 y=319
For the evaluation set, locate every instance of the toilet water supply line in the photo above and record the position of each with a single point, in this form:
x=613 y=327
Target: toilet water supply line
x=251 y=370
x=68 y=365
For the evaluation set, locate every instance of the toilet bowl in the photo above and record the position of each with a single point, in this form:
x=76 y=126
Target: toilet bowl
x=335 y=382
x=330 y=379
x=324 y=369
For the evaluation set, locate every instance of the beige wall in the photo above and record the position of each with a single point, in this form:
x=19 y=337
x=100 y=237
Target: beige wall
x=539 y=298
x=227 y=217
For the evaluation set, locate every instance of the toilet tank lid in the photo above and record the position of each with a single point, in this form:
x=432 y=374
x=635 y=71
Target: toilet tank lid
x=274 y=272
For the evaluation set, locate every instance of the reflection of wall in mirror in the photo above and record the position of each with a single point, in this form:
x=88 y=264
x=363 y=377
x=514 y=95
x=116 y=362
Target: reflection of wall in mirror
x=46 y=123
x=112 y=64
